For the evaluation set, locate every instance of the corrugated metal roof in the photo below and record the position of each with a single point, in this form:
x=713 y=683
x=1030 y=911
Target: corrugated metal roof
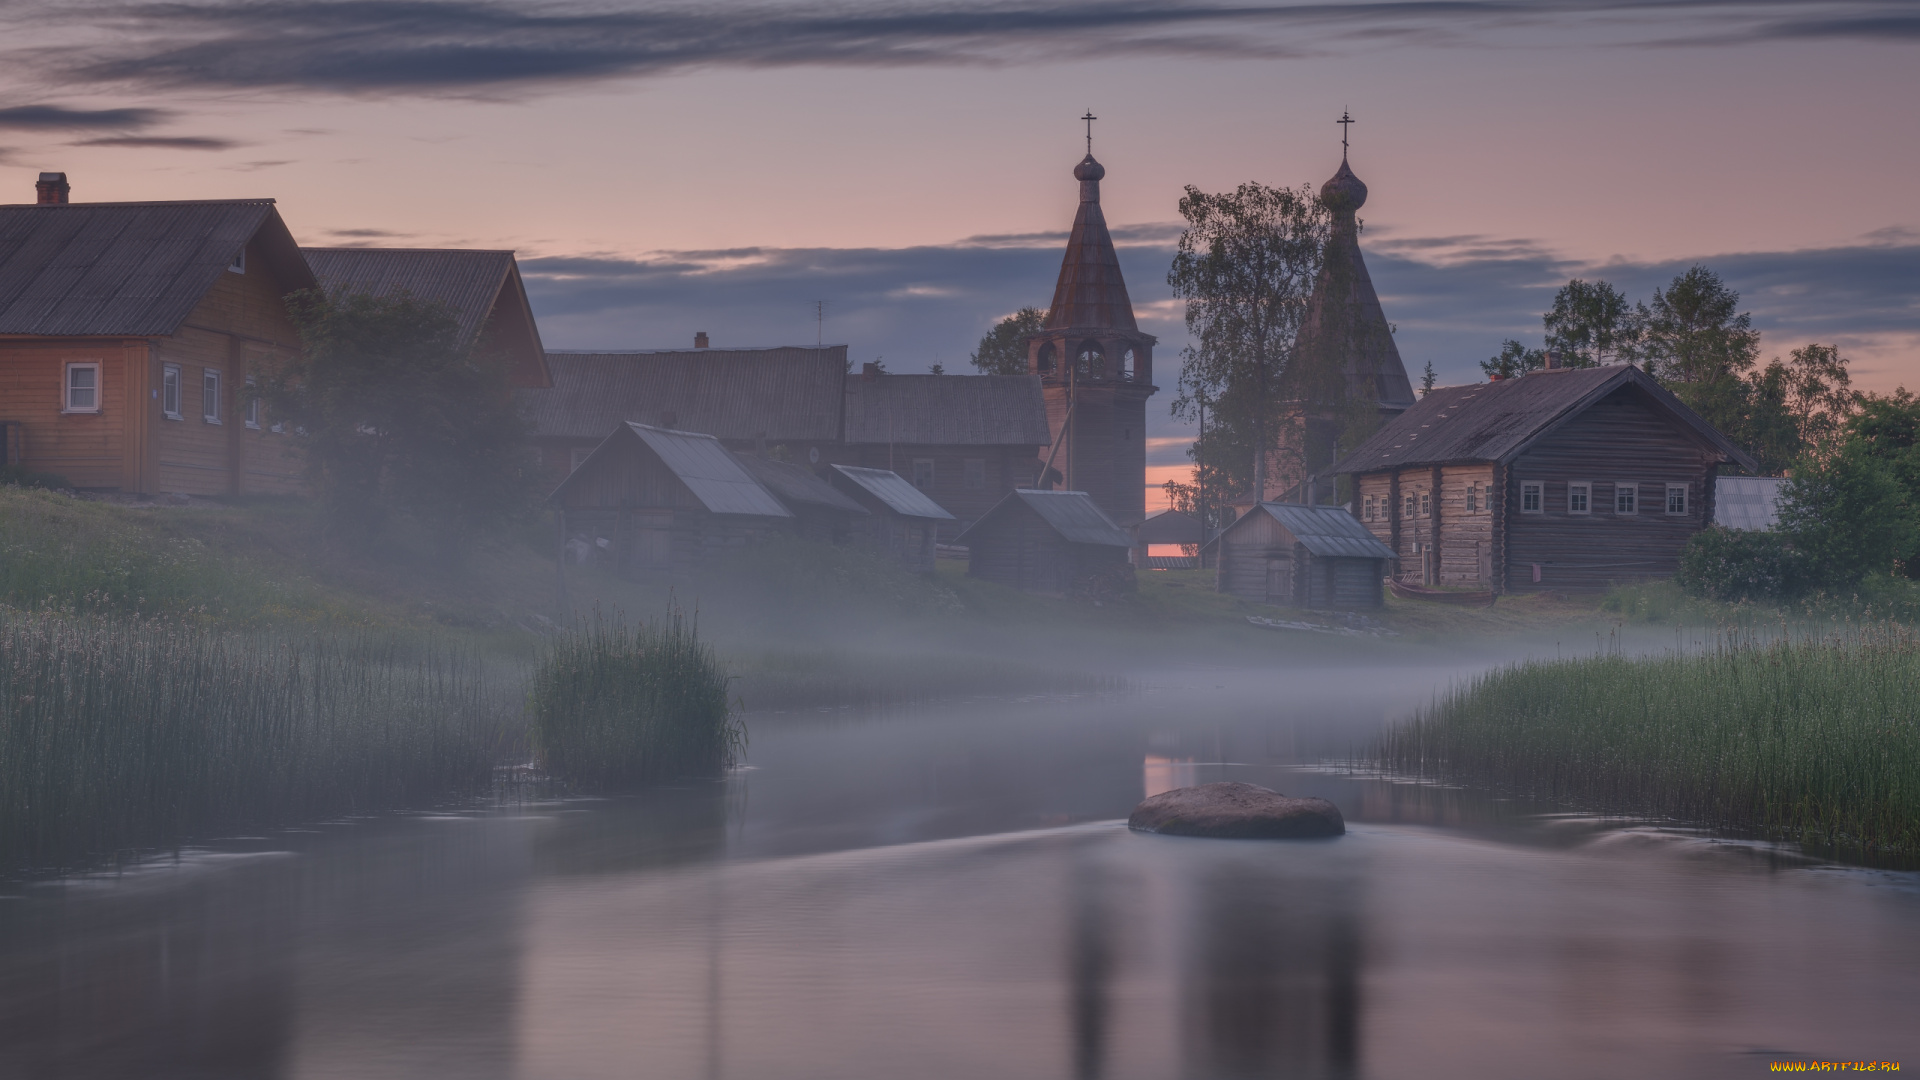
x=893 y=489
x=1168 y=527
x=1496 y=421
x=710 y=470
x=1090 y=292
x=776 y=394
x=1328 y=531
x=947 y=410
x=1747 y=502
x=796 y=484
x=134 y=269
x=1074 y=515
x=467 y=281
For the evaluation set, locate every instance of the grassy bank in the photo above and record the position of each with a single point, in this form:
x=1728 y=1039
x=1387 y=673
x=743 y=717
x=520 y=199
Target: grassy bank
x=1811 y=739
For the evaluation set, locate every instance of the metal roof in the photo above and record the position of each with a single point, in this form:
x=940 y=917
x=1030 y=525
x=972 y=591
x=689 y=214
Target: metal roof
x=1497 y=421
x=1168 y=527
x=132 y=269
x=741 y=394
x=708 y=469
x=895 y=492
x=947 y=410
x=1072 y=514
x=1090 y=292
x=796 y=484
x=1327 y=531
x=1747 y=502
x=468 y=282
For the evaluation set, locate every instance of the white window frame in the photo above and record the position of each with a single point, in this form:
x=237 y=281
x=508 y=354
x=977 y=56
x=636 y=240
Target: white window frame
x=1584 y=489
x=251 y=413
x=1473 y=498
x=1537 y=489
x=1408 y=504
x=1426 y=504
x=1680 y=490
x=1366 y=513
x=67 y=387
x=1626 y=497
x=170 y=380
x=578 y=457
x=210 y=395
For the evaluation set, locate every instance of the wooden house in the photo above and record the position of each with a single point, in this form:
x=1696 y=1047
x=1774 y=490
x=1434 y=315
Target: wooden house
x=965 y=441
x=128 y=332
x=819 y=511
x=902 y=521
x=1167 y=528
x=652 y=500
x=1059 y=543
x=1561 y=479
x=1317 y=557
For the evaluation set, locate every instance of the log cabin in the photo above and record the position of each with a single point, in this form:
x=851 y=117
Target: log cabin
x=1056 y=543
x=128 y=332
x=902 y=523
x=820 y=512
x=1563 y=479
x=1317 y=557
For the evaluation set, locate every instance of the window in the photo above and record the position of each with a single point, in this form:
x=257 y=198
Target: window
x=975 y=472
x=580 y=456
x=252 y=412
x=923 y=473
x=1473 y=498
x=1580 y=498
x=1407 y=509
x=1126 y=364
x=170 y=391
x=1626 y=497
x=1045 y=360
x=1366 y=513
x=1426 y=504
x=1530 y=496
x=83 y=388
x=210 y=395
x=239 y=263
x=1676 y=498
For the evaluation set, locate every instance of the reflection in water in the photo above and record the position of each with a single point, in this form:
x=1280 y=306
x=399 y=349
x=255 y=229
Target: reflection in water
x=1090 y=964
x=1161 y=774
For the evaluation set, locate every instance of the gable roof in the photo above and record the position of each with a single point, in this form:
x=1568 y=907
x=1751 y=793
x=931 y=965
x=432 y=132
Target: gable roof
x=740 y=394
x=1497 y=421
x=792 y=484
x=1325 y=531
x=1168 y=527
x=133 y=269
x=947 y=410
x=1072 y=514
x=478 y=286
x=894 y=492
x=709 y=470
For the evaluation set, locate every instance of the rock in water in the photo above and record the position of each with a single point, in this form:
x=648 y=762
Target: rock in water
x=1234 y=811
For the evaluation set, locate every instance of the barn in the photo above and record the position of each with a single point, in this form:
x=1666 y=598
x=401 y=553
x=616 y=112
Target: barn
x=653 y=500
x=902 y=522
x=819 y=512
x=1059 y=543
x=1301 y=556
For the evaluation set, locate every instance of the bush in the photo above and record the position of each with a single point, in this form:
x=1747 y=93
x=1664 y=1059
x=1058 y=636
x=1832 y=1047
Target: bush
x=1848 y=515
x=1731 y=564
x=614 y=706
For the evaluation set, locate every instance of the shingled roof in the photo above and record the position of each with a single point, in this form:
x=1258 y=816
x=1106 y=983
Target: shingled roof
x=1497 y=421
x=467 y=281
x=1090 y=292
x=947 y=410
x=1344 y=323
x=777 y=394
x=130 y=269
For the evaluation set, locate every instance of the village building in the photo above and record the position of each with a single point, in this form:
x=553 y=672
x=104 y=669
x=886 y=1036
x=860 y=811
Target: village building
x=1057 y=543
x=128 y=333
x=1748 y=503
x=1562 y=479
x=819 y=511
x=902 y=522
x=1167 y=528
x=650 y=500
x=1302 y=556
x=1095 y=368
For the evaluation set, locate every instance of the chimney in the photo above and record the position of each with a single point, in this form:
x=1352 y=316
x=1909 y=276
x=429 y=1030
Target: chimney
x=1495 y=377
x=869 y=371
x=51 y=190
x=700 y=340
x=1553 y=361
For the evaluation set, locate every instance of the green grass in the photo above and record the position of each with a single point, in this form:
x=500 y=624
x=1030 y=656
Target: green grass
x=120 y=732
x=614 y=705
x=1810 y=739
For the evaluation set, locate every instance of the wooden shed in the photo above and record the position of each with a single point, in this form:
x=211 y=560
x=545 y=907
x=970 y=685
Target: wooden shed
x=1301 y=556
x=1059 y=543
x=819 y=512
x=1561 y=479
x=650 y=500
x=902 y=521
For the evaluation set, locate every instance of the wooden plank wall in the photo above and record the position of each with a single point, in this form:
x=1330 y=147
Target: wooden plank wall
x=1248 y=552
x=1018 y=549
x=88 y=449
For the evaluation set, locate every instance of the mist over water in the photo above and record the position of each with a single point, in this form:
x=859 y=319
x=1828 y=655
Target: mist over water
x=948 y=890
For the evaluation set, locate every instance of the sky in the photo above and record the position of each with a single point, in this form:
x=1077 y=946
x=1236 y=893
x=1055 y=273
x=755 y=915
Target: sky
x=663 y=168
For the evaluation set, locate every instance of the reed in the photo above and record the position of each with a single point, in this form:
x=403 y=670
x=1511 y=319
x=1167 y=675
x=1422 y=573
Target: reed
x=614 y=705
x=124 y=732
x=1803 y=738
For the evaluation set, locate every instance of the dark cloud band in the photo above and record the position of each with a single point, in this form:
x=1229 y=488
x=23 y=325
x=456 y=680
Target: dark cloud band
x=60 y=118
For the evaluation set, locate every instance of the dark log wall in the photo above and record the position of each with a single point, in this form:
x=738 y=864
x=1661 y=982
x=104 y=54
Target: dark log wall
x=1448 y=539
x=1256 y=560
x=1018 y=549
x=652 y=521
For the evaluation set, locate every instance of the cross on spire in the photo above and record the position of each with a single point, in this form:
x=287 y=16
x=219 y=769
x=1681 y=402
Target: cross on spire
x=1089 y=118
x=1344 y=120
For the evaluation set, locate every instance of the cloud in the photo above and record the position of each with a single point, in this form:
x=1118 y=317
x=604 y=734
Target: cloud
x=471 y=46
x=60 y=118
x=164 y=142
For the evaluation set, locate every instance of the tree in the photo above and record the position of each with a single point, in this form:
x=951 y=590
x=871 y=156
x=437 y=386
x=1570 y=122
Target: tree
x=1847 y=514
x=1427 y=379
x=1590 y=324
x=1697 y=342
x=1003 y=351
x=1245 y=265
x=1513 y=361
x=1790 y=407
x=399 y=419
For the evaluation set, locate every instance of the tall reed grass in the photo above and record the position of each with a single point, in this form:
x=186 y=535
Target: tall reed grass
x=129 y=732
x=1813 y=739
x=615 y=705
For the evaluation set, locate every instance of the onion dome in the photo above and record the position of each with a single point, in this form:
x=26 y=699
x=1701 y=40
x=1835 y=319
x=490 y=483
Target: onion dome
x=1089 y=169
x=1343 y=194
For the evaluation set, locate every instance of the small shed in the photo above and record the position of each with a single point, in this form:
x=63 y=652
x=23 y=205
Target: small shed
x=652 y=499
x=1166 y=527
x=1747 y=502
x=1059 y=543
x=902 y=521
x=1302 y=556
x=819 y=512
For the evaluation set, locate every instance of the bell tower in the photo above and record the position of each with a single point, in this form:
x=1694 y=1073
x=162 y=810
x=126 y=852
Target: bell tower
x=1095 y=366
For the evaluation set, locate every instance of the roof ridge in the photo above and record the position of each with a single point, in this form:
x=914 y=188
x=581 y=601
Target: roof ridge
x=391 y=250
x=147 y=202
